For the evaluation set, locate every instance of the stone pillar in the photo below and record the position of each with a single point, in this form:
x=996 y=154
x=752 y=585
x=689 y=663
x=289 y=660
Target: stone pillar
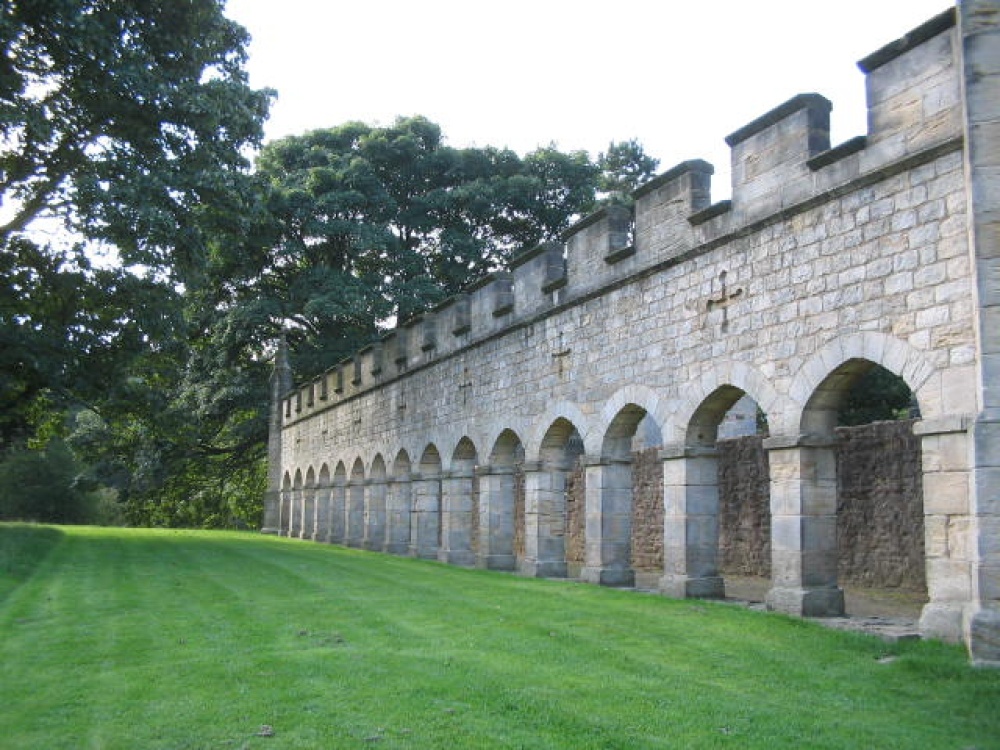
x=425 y=524
x=354 y=535
x=285 y=512
x=397 y=512
x=323 y=496
x=544 y=520
x=456 y=517
x=374 y=523
x=338 y=511
x=308 y=512
x=979 y=27
x=803 y=527
x=295 y=516
x=691 y=523
x=608 y=522
x=496 y=518
x=946 y=446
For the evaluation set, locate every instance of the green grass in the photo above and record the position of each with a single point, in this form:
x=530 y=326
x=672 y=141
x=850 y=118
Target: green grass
x=161 y=639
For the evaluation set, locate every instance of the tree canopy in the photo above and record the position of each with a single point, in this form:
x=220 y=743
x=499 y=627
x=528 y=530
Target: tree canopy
x=147 y=266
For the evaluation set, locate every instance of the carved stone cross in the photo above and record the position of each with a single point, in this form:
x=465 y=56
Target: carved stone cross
x=464 y=386
x=725 y=297
x=561 y=355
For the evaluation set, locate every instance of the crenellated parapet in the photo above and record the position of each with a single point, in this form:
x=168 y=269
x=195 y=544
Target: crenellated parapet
x=782 y=162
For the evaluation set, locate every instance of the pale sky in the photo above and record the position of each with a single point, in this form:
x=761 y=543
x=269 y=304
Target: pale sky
x=677 y=76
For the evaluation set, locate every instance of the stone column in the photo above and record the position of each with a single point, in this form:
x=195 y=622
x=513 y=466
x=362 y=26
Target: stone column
x=397 y=512
x=496 y=518
x=323 y=494
x=946 y=447
x=691 y=523
x=375 y=492
x=308 y=511
x=456 y=517
x=285 y=514
x=295 y=519
x=979 y=27
x=544 y=520
x=803 y=527
x=425 y=521
x=338 y=511
x=354 y=535
x=608 y=522
x=281 y=384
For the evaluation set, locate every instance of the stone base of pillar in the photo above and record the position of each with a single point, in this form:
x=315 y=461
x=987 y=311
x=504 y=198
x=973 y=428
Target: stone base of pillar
x=463 y=558
x=826 y=602
x=270 y=530
x=428 y=553
x=542 y=568
x=942 y=621
x=497 y=562
x=984 y=638
x=685 y=587
x=397 y=548
x=620 y=577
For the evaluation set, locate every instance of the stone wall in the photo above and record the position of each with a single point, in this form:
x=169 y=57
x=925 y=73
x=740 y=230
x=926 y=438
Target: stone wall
x=745 y=512
x=826 y=260
x=880 y=506
x=647 y=510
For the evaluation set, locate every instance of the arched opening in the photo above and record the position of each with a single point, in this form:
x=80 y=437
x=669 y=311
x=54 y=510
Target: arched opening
x=610 y=499
x=879 y=511
x=716 y=497
x=375 y=501
x=356 y=505
x=501 y=505
x=398 y=507
x=459 y=506
x=554 y=505
x=744 y=501
x=425 y=540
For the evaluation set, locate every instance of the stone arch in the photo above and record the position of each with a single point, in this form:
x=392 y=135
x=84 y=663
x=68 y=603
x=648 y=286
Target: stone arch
x=355 y=523
x=542 y=436
x=376 y=489
x=609 y=493
x=691 y=484
x=425 y=539
x=285 y=506
x=295 y=515
x=459 y=506
x=851 y=356
x=553 y=507
x=704 y=387
x=323 y=495
x=808 y=482
x=501 y=504
x=398 y=506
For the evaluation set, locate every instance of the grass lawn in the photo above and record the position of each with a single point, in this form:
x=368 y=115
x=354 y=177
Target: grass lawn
x=164 y=639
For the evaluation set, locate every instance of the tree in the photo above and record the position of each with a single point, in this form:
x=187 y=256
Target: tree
x=124 y=127
x=624 y=167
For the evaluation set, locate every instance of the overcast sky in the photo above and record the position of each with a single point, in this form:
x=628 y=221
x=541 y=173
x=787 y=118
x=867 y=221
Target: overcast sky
x=677 y=76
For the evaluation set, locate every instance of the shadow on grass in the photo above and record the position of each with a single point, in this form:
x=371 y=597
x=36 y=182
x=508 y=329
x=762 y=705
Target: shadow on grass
x=23 y=547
